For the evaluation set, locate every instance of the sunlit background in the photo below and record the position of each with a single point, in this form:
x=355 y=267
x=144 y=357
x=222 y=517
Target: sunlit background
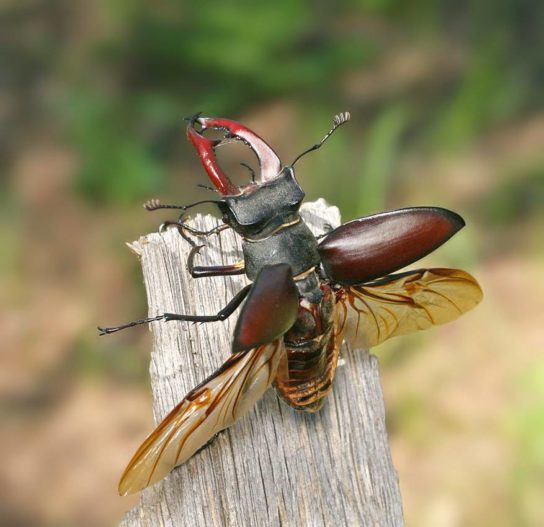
x=447 y=109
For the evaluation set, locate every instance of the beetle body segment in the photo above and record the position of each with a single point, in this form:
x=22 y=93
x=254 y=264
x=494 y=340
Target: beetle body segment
x=275 y=288
x=313 y=349
x=261 y=209
x=295 y=244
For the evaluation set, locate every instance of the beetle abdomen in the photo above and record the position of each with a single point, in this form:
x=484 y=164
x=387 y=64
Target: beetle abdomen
x=306 y=377
x=309 y=376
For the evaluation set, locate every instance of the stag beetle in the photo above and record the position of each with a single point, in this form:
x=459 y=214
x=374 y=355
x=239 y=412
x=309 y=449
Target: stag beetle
x=306 y=297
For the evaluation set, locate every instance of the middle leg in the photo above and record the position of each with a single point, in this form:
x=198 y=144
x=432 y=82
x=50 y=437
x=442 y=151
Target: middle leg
x=199 y=271
x=221 y=315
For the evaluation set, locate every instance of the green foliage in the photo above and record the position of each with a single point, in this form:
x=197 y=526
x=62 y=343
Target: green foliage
x=160 y=61
x=481 y=99
x=379 y=157
x=519 y=197
x=227 y=56
x=115 y=165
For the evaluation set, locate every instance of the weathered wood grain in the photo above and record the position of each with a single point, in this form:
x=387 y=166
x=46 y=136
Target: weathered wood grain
x=276 y=466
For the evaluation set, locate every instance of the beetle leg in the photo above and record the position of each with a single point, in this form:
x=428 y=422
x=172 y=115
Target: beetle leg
x=215 y=230
x=212 y=270
x=228 y=310
x=221 y=315
x=182 y=226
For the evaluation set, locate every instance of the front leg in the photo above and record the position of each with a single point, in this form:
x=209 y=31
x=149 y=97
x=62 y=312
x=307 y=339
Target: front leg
x=182 y=227
x=212 y=270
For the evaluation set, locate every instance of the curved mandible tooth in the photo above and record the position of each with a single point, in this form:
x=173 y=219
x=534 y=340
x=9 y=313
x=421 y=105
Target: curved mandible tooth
x=268 y=159
x=205 y=148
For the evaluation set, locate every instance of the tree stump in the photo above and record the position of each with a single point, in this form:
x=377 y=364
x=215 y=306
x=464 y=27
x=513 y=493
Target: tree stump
x=276 y=466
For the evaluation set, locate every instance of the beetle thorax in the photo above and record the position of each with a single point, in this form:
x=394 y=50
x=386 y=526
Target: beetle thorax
x=267 y=217
x=260 y=210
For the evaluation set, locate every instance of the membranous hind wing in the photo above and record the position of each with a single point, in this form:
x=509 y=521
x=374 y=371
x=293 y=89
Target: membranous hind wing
x=214 y=405
x=269 y=311
x=403 y=303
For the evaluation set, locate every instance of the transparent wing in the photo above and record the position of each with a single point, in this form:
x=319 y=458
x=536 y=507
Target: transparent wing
x=403 y=303
x=215 y=404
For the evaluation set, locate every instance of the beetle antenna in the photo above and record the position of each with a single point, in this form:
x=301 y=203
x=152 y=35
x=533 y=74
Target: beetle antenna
x=338 y=121
x=155 y=204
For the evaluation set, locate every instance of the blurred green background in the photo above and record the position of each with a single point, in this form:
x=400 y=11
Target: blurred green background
x=447 y=109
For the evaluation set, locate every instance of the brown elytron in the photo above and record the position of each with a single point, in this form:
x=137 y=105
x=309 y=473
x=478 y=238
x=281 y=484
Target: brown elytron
x=305 y=298
x=367 y=248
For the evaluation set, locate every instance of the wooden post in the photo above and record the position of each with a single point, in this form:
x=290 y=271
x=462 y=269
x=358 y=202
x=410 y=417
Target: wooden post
x=276 y=466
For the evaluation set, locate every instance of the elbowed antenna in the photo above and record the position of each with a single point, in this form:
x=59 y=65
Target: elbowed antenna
x=155 y=204
x=339 y=120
